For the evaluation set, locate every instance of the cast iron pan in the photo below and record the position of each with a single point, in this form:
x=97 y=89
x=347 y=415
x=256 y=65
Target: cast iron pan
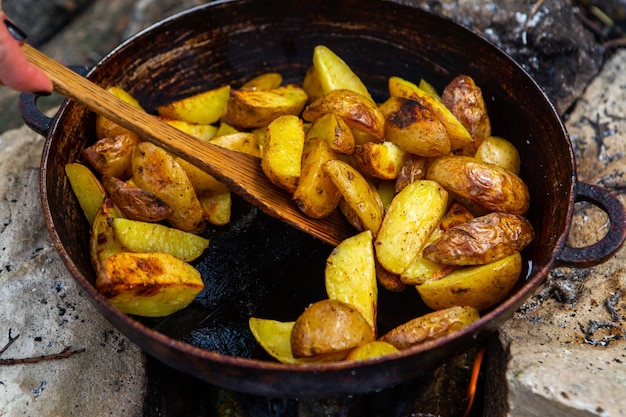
x=257 y=266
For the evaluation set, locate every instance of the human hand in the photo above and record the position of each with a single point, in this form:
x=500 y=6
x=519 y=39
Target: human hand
x=15 y=71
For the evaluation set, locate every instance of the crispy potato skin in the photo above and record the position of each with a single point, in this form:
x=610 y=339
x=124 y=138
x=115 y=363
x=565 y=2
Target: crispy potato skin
x=316 y=194
x=413 y=169
x=414 y=128
x=481 y=240
x=480 y=286
x=248 y=109
x=499 y=151
x=329 y=326
x=465 y=100
x=430 y=326
x=157 y=171
x=357 y=110
x=489 y=186
x=112 y=155
x=135 y=202
x=148 y=284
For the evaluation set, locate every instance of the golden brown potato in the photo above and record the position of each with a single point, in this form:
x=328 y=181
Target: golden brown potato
x=423 y=269
x=499 y=151
x=481 y=240
x=148 y=284
x=481 y=286
x=217 y=206
x=414 y=128
x=357 y=110
x=316 y=194
x=414 y=169
x=431 y=326
x=138 y=236
x=410 y=219
x=200 y=131
x=265 y=81
x=88 y=190
x=335 y=131
x=380 y=160
x=358 y=193
x=102 y=240
x=112 y=155
x=350 y=275
x=282 y=152
x=465 y=100
x=203 y=108
x=329 y=327
x=389 y=280
x=135 y=202
x=375 y=349
x=157 y=171
x=258 y=108
x=334 y=74
x=200 y=180
x=243 y=142
x=489 y=186
x=458 y=135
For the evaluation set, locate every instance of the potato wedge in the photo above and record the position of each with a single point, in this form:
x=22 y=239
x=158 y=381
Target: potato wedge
x=431 y=326
x=316 y=194
x=329 y=327
x=282 y=152
x=157 y=171
x=423 y=269
x=465 y=100
x=102 y=240
x=410 y=219
x=457 y=133
x=148 y=284
x=137 y=236
x=200 y=131
x=335 y=131
x=334 y=74
x=481 y=240
x=135 y=202
x=88 y=190
x=357 y=110
x=389 y=280
x=243 y=142
x=112 y=155
x=481 y=286
x=487 y=185
x=414 y=169
x=499 y=151
x=106 y=128
x=350 y=275
x=203 y=108
x=358 y=193
x=380 y=160
x=201 y=181
x=248 y=109
x=265 y=81
x=371 y=350
x=217 y=206
x=414 y=128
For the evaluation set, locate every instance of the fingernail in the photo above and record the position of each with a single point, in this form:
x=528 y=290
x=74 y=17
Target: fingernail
x=17 y=33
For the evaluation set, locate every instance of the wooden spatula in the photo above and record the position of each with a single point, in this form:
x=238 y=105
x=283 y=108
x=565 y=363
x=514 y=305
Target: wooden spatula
x=240 y=172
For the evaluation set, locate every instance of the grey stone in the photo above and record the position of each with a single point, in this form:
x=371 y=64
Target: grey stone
x=47 y=311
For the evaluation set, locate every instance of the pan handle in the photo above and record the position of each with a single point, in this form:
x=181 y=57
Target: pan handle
x=603 y=249
x=33 y=117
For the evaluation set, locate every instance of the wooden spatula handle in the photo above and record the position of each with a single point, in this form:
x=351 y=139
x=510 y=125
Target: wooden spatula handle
x=240 y=172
